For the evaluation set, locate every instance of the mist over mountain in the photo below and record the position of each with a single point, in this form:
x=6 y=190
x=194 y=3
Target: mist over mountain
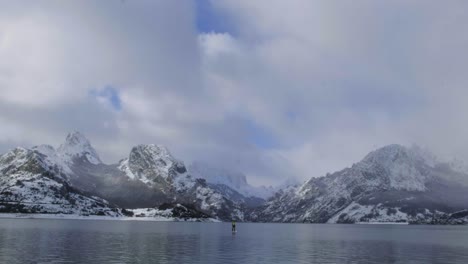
x=391 y=184
x=232 y=179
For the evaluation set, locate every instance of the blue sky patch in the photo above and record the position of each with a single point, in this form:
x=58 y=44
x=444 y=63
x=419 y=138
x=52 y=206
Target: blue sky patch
x=110 y=94
x=210 y=20
x=259 y=135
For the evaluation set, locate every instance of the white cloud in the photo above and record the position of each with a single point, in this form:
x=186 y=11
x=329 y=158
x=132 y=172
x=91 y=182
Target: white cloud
x=215 y=44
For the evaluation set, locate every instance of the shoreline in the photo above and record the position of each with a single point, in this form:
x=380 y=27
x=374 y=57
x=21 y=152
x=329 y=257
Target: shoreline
x=102 y=218
x=381 y=223
x=173 y=219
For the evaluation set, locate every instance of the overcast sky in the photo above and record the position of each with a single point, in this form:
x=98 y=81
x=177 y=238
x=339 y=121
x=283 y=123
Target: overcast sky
x=275 y=89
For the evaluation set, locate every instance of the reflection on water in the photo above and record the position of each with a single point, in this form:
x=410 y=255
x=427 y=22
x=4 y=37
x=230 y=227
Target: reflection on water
x=87 y=241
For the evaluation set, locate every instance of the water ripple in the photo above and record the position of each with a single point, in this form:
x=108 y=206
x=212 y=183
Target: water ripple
x=69 y=241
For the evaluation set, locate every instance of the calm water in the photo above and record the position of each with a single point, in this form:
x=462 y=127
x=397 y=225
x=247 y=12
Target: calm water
x=87 y=241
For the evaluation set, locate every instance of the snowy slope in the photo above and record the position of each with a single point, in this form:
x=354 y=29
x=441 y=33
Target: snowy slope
x=29 y=184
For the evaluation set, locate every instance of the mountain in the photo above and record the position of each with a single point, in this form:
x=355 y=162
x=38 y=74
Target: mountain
x=74 y=176
x=154 y=166
x=236 y=181
x=77 y=146
x=29 y=183
x=391 y=184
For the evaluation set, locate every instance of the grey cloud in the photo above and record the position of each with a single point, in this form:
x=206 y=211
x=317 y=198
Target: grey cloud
x=368 y=72
x=328 y=80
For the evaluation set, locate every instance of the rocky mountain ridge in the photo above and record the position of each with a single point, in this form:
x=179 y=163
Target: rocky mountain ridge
x=391 y=184
x=149 y=177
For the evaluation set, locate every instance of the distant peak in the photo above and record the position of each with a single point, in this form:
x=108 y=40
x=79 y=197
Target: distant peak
x=153 y=147
x=393 y=147
x=77 y=145
x=146 y=162
x=395 y=152
x=75 y=138
x=152 y=150
x=387 y=152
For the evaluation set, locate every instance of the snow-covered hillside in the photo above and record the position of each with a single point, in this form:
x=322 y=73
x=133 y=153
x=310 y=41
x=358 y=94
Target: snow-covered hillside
x=393 y=183
x=28 y=183
x=72 y=178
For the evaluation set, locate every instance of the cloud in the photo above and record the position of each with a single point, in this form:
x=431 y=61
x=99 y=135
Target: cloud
x=273 y=88
x=51 y=46
x=356 y=75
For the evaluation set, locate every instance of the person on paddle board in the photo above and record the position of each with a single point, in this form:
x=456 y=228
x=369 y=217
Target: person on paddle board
x=233 y=226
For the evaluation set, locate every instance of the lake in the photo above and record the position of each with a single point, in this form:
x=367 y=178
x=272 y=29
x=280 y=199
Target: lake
x=98 y=241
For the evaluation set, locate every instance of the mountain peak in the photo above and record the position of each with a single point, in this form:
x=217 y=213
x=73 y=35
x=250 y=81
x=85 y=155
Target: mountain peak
x=153 y=149
x=150 y=153
x=76 y=145
x=75 y=138
x=388 y=151
x=396 y=153
x=148 y=162
x=405 y=168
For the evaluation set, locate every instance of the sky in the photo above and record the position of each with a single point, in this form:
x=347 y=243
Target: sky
x=274 y=89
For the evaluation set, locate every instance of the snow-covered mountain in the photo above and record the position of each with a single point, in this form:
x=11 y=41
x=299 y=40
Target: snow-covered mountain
x=77 y=146
x=30 y=183
x=155 y=166
x=74 y=176
x=151 y=163
x=393 y=183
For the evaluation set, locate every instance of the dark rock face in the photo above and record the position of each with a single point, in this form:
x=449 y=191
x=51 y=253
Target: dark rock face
x=184 y=211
